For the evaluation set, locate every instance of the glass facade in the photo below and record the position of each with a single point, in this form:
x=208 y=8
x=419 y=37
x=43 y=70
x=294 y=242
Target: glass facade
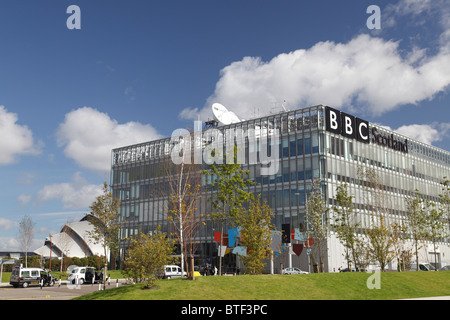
x=306 y=150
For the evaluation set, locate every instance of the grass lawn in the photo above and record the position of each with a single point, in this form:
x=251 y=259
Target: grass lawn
x=325 y=286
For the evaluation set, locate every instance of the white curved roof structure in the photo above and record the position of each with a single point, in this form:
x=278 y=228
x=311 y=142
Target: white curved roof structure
x=72 y=241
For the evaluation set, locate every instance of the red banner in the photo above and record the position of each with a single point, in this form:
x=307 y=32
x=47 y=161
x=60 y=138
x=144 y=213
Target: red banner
x=217 y=238
x=297 y=248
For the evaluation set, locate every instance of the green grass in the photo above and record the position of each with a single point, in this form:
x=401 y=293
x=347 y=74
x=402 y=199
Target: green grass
x=329 y=286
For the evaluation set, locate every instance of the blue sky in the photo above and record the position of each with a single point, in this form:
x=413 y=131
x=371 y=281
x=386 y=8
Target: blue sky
x=137 y=70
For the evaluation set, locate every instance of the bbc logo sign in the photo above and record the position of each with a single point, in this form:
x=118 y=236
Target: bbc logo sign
x=346 y=125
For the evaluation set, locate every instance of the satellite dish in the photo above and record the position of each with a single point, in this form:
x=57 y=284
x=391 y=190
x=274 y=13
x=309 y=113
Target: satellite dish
x=234 y=117
x=218 y=111
x=222 y=115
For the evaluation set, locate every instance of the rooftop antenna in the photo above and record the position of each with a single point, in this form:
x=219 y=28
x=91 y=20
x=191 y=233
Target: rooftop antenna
x=283 y=105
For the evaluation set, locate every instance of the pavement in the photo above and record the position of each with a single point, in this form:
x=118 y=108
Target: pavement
x=57 y=292
x=430 y=298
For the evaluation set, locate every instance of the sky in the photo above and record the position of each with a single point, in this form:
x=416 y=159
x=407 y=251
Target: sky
x=135 y=71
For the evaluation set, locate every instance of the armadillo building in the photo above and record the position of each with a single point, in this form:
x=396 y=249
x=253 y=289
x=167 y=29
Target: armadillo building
x=72 y=241
x=284 y=153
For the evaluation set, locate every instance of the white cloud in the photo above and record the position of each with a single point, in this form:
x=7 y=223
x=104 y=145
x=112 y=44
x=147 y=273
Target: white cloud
x=427 y=133
x=88 y=136
x=6 y=224
x=415 y=8
x=77 y=194
x=9 y=244
x=15 y=139
x=365 y=73
x=23 y=199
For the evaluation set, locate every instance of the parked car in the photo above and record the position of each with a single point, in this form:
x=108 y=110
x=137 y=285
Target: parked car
x=293 y=271
x=84 y=275
x=446 y=268
x=172 y=271
x=23 y=277
x=422 y=267
x=348 y=270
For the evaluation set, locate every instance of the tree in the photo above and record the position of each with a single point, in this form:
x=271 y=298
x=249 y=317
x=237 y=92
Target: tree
x=256 y=234
x=184 y=182
x=444 y=199
x=345 y=224
x=147 y=256
x=228 y=180
x=399 y=234
x=25 y=236
x=380 y=242
x=106 y=223
x=435 y=225
x=415 y=221
x=316 y=219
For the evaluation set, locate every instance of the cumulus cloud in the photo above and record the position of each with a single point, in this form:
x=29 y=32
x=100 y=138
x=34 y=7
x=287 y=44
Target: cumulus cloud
x=15 y=139
x=77 y=194
x=6 y=224
x=88 y=136
x=427 y=133
x=365 y=73
x=368 y=74
x=23 y=199
x=416 y=8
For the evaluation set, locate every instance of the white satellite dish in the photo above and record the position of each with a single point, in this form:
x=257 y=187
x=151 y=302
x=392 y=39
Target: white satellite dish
x=234 y=117
x=218 y=110
x=222 y=115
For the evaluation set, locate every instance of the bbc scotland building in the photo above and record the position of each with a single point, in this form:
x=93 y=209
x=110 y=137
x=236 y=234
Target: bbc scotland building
x=313 y=142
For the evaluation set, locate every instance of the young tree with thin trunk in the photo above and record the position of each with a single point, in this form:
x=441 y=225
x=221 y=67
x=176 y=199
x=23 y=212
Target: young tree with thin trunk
x=106 y=223
x=436 y=228
x=25 y=236
x=380 y=242
x=316 y=220
x=416 y=222
x=256 y=234
x=444 y=199
x=228 y=179
x=184 y=182
x=345 y=224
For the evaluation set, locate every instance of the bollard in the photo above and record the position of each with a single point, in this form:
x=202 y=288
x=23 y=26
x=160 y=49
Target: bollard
x=117 y=283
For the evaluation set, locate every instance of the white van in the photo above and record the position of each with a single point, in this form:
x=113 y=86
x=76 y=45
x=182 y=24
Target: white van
x=25 y=276
x=172 y=271
x=84 y=275
x=422 y=267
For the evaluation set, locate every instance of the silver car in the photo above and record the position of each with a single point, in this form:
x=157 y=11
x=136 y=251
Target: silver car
x=293 y=271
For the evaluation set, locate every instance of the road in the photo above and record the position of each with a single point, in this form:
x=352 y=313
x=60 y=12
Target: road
x=63 y=292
